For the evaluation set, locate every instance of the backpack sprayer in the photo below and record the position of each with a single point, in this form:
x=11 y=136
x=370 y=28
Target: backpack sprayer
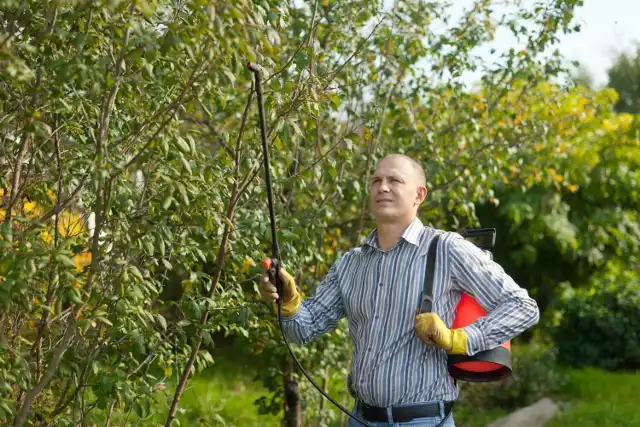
x=489 y=365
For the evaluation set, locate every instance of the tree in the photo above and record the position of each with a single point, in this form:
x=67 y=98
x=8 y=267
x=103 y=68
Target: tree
x=624 y=77
x=566 y=221
x=133 y=124
x=583 y=77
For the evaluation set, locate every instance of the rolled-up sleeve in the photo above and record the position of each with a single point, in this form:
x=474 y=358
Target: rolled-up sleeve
x=510 y=309
x=320 y=313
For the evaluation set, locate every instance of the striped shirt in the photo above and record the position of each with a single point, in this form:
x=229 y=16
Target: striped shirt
x=379 y=291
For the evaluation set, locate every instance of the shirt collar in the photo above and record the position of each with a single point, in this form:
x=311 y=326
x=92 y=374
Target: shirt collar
x=411 y=234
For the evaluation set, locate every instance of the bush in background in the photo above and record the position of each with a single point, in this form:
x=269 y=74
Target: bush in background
x=535 y=375
x=600 y=326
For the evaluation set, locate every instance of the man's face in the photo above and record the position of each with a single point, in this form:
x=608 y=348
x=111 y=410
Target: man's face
x=395 y=190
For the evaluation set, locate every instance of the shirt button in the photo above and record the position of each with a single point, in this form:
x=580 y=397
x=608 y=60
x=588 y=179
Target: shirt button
x=376 y=316
x=380 y=284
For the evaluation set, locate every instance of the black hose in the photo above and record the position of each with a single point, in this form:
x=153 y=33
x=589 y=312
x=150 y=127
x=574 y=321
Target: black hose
x=274 y=265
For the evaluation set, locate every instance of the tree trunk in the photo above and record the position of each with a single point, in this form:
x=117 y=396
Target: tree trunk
x=325 y=388
x=292 y=409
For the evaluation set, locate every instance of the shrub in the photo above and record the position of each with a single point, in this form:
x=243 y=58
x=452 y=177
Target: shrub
x=601 y=326
x=535 y=375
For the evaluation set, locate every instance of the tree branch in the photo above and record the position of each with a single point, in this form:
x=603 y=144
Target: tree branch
x=218 y=271
x=50 y=289
x=335 y=73
x=174 y=105
x=101 y=201
x=15 y=183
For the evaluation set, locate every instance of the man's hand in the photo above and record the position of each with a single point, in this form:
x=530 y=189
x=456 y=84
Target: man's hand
x=432 y=330
x=290 y=297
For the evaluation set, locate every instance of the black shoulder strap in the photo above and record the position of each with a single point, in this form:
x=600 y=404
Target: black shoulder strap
x=427 y=293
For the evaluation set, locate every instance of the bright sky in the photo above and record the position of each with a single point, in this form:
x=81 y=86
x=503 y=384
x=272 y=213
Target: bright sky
x=607 y=28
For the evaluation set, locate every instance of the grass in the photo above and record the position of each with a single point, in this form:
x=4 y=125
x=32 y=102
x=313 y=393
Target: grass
x=597 y=398
x=224 y=396
x=465 y=416
x=590 y=398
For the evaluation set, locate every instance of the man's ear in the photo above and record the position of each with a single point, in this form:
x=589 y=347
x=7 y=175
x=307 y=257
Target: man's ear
x=421 y=194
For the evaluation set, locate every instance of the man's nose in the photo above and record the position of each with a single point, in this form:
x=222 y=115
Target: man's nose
x=384 y=188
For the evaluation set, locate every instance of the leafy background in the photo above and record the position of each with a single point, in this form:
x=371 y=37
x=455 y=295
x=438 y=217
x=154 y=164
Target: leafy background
x=134 y=213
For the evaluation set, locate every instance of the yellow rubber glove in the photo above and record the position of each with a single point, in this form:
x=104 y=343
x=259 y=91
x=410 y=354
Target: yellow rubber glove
x=432 y=330
x=291 y=298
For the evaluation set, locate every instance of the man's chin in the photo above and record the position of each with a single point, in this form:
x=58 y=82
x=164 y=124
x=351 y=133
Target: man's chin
x=383 y=215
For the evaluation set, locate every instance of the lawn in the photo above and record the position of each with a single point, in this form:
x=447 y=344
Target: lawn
x=597 y=398
x=224 y=396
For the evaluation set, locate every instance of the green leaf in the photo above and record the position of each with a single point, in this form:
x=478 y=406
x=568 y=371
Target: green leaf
x=182 y=145
x=72 y=296
x=137 y=408
x=104 y=320
x=166 y=264
x=166 y=204
x=160 y=244
x=65 y=260
x=134 y=270
x=5 y=408
x=183 y=193
x=185 y=163
x=162 y=321
x=148 y=245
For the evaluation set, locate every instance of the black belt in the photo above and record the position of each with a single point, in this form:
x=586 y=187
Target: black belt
x=403 y=414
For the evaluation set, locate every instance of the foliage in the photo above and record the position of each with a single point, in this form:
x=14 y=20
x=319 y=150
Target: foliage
x=564 y=222
x=624 y=77
x=134 y=123
x=97 y=126
x=599 y=326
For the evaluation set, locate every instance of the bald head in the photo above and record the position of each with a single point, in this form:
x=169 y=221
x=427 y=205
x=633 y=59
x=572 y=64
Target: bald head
x=416 y=169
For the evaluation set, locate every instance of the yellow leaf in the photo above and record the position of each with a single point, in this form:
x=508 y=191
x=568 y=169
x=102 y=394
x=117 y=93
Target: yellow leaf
x=70 y=224
x=608 y=126
x=29 y=206
x=81 y=260
x=46 y=236
x=624 y=121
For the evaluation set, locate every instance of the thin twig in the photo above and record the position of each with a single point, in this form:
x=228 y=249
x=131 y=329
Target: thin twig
x=174 y=105
x=335 y=73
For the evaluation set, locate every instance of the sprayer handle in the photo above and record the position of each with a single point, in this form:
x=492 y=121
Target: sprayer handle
x=272 y=265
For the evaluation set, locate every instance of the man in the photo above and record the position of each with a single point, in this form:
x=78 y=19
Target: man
x=399 y=356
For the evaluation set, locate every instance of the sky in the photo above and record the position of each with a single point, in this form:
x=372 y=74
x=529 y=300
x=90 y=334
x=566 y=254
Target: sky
x=608 y=27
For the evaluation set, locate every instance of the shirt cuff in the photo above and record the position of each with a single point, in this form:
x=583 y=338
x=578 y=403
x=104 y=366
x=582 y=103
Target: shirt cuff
x=289 y=317
x=475 y=339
